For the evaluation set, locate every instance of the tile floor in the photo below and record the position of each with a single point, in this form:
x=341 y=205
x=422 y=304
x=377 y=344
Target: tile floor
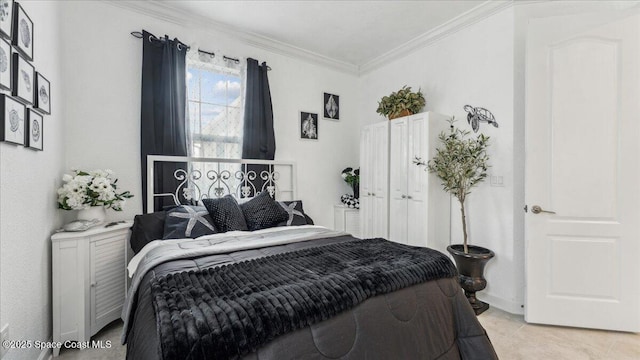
x=512 y=338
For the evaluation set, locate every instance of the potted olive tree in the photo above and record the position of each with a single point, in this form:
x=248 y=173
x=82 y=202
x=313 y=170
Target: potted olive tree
x=401 y=103
x=461 y=163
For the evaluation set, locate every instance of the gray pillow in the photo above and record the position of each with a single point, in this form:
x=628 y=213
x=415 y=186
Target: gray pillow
x=226 y=214
x=187 y=222
x=263 y=212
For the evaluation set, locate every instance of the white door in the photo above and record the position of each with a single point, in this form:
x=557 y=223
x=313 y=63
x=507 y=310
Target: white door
x=398 y=156
x=582 y=146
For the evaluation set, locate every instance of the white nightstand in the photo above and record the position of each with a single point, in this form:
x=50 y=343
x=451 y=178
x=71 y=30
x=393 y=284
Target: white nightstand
x=89 y=280
x=346 y=219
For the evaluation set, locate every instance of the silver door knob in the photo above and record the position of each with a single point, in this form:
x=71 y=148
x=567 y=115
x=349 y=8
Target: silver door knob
x=537 y=210
x=373 y=194
x=409 y=197
x=403 y=196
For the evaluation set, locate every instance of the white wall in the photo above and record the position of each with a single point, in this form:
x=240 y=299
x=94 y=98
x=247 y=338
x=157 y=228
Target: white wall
x=473 y=66
x=28 y=210
x=103 y=101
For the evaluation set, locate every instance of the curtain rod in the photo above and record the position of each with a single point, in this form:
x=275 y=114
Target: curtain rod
x=138 y=34
x=207 y=53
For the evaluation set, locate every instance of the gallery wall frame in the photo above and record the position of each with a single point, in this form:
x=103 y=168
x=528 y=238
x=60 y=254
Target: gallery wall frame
x=6 y=18
x=42 y=94
x=12 y=119
x=22 y=80
x=35 y=130
x=6 y=60
x=22 y=32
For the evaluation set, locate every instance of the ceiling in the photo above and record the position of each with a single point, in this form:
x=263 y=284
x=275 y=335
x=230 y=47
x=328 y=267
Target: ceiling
x=354 y=33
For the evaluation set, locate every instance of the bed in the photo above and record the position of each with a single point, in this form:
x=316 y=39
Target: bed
x=291 y=291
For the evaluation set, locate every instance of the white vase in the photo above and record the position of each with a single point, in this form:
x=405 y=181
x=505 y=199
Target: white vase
x=92 y=213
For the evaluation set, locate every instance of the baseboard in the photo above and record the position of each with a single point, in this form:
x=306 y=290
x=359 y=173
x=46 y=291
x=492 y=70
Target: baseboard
x=500 y=303
x=46 y=354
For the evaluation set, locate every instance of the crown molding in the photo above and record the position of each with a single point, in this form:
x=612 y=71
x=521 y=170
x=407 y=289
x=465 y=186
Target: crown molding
x=456 y=24
x=166 y=12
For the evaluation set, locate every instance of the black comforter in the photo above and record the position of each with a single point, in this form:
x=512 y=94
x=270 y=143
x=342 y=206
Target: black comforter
x=255 y=306
x=220 y=313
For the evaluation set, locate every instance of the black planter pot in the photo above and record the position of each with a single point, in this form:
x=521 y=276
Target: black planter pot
x=471 y=272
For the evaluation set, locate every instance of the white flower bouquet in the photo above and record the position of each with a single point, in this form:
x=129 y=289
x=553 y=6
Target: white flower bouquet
x=83 y=189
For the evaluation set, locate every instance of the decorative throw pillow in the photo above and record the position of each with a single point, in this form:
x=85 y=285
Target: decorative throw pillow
x=145 y=229
x=295 y=212
x=263 y=212
x=309 y=220
x=187 y=222
x=226 y=214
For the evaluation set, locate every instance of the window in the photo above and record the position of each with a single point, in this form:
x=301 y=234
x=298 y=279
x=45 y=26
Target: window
x=215 y=107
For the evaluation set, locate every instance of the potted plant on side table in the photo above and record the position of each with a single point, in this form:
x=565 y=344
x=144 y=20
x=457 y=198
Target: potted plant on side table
x=461 y=162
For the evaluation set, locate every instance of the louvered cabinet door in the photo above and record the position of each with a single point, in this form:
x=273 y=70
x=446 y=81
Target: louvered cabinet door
x=107 y=285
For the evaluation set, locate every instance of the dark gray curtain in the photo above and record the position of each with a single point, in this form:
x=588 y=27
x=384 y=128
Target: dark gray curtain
x=259 y=140
x=162 y=121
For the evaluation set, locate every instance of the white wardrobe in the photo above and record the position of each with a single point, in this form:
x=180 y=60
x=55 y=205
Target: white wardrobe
x=408 y=201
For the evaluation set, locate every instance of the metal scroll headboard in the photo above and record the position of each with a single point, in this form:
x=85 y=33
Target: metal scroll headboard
x=213 y=178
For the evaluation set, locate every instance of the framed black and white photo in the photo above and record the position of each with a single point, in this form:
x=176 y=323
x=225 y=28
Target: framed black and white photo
x=12 y=113
x=6 y=18
x=331 y=106
x=43 y=94
x=34 y=130
x=22 y=32
x=5 y=65
x=23 y=73
x=308 y=125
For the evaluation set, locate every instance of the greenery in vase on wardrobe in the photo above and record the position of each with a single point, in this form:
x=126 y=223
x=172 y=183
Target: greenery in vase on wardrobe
x=401 y=103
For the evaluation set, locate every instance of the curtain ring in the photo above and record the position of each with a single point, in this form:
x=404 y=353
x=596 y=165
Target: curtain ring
x=179 y=44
